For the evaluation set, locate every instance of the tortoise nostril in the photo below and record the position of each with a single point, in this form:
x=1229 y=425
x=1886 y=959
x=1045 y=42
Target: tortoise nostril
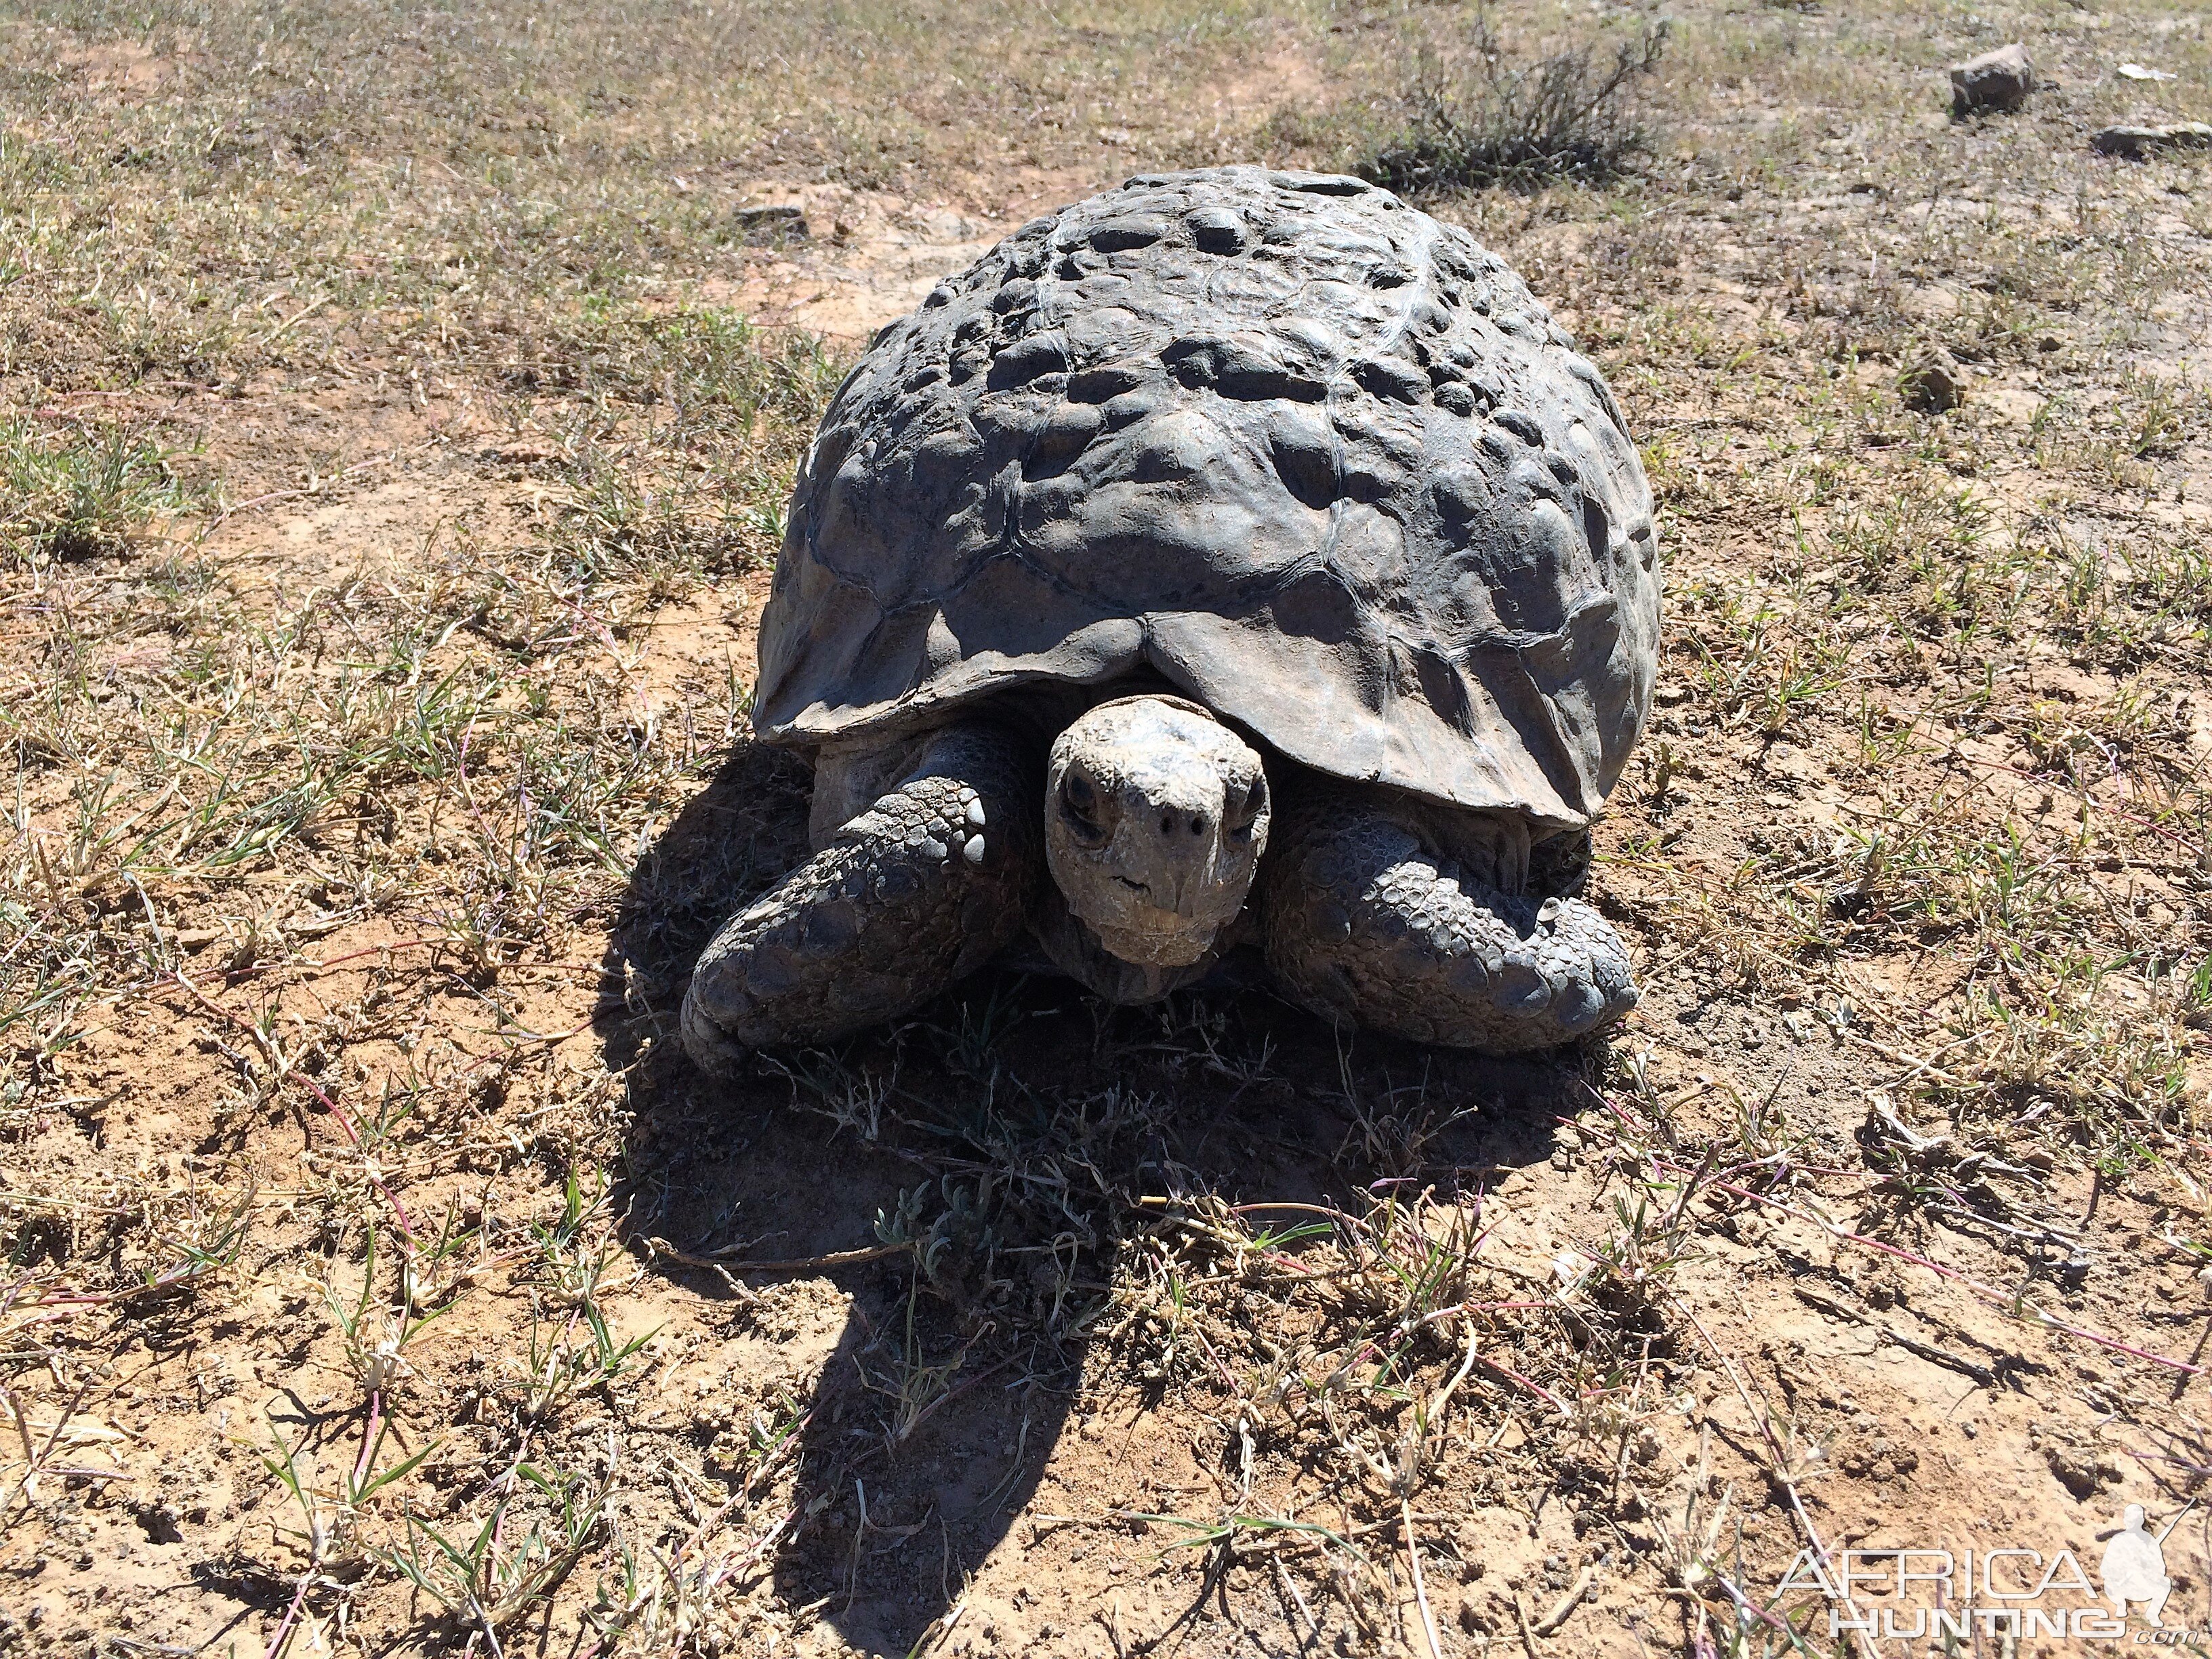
x=1167 y=824
x=1198 y=825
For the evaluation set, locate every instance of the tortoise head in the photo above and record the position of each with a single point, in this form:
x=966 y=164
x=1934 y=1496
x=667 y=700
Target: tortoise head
x=1156 y=814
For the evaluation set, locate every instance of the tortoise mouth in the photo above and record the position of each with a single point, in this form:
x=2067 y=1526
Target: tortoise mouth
x=1164 y=948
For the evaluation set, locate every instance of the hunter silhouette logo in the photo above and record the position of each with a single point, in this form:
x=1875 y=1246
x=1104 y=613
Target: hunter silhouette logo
x=1930 y=1591
x=2134 y=1567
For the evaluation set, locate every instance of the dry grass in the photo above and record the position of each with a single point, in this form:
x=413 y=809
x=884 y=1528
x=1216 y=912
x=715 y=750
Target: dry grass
x=1476 y=116
x=378 y=1275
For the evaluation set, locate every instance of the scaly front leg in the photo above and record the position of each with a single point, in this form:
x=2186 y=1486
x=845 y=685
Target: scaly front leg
x=917 y=891
x=1366 y=927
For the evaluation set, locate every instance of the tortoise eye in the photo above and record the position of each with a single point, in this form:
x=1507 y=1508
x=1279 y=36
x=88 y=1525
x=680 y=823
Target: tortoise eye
x=1079 y=809
x=1243 y=817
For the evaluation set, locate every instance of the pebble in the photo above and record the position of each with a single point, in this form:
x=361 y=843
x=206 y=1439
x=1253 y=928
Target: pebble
x=2141 y=143
x=1999 y=79
x=1933 y=382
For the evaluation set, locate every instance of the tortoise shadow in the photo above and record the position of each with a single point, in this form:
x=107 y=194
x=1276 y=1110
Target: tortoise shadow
x=926 y=1428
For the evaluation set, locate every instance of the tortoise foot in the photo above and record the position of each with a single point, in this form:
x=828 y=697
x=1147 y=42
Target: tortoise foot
x=1367 y=928
x=915 y=892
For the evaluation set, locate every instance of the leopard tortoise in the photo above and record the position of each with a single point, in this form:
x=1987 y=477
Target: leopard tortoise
x=1239 y=557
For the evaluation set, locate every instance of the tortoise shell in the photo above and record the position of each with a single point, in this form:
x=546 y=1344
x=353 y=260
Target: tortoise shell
x=1320 y=460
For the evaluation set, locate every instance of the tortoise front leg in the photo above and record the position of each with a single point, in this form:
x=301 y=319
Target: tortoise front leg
x=1366 y=927
x=919 y=889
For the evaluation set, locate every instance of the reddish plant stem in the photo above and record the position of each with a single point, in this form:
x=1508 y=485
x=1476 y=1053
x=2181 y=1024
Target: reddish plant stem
x=339 y=1114
x=1990 y=1294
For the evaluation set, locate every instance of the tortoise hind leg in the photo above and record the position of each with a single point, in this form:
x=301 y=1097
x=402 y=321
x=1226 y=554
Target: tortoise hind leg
x=918 y=890
x=1366 y=927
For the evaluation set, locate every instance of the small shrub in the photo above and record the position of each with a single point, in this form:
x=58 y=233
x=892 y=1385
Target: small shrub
x=76 y=499
x=1489 y=121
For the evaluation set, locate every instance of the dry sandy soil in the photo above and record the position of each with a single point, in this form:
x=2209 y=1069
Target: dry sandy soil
x=396 y=410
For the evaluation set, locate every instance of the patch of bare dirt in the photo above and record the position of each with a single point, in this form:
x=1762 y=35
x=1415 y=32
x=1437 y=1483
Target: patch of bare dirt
x=868 y=259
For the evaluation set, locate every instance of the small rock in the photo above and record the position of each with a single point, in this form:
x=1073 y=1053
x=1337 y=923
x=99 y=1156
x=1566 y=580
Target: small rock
x=2135 y=142
x=2139 y=72
x=2141 y=143
x=1933 y=382
x=2080 y=1469
x=1999 y=79
x=781 y=223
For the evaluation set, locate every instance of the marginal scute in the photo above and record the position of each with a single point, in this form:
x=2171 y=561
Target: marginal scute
x=1320 y=461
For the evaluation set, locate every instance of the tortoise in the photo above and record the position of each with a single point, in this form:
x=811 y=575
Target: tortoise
x=1239 y=558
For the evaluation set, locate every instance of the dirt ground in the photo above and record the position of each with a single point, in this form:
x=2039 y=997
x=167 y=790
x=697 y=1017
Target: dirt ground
x=396 y=410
